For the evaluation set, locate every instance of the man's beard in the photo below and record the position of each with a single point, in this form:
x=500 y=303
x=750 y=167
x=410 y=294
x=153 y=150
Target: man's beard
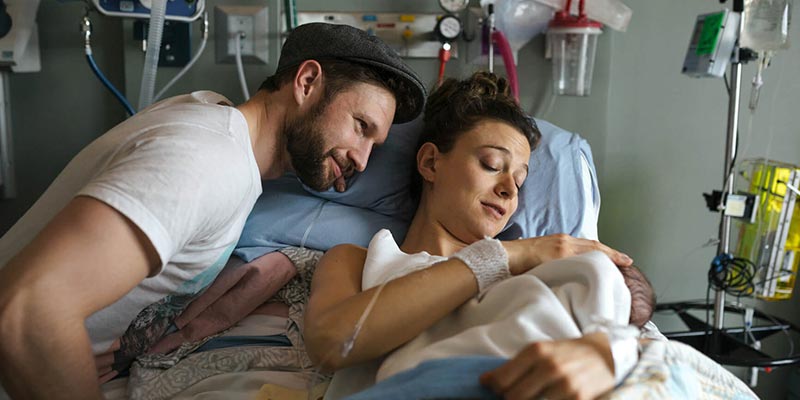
x=306 y=146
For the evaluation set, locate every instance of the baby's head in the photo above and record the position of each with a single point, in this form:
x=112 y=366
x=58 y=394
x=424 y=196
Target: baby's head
x=643 y=298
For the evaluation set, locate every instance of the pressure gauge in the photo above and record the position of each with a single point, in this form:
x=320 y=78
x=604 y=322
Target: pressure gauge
x=453 y=6
x=448 y=28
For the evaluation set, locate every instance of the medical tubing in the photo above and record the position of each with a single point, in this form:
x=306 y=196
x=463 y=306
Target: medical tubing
x=154 y=33
x=86 y=27
x=508 y=59
x=108 y=85
x=188 y=66
x=311 y=225
x=444 y=57
x=239 y=67
x=348 y=345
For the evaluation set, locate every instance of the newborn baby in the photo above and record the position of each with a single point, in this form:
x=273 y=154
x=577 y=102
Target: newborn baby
x=643 y=298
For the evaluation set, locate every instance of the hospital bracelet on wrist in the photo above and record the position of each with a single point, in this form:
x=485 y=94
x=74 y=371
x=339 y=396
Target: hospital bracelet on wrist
x=487 y=259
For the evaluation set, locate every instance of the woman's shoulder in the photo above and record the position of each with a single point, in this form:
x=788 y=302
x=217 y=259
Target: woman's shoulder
x=344 y=253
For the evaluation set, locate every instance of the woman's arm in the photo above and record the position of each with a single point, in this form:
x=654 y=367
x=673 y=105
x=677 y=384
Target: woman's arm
x=405 y=308
x=524 y=254
x=408 y=305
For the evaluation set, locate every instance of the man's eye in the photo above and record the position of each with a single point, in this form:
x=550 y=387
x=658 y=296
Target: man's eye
x=363 y=125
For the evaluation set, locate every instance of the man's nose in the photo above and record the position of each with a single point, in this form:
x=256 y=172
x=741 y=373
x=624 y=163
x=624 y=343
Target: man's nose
x=360 y=156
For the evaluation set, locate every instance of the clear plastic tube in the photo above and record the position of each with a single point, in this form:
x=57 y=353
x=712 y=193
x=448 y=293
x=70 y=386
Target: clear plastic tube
x=154 y=32
x=188 y=66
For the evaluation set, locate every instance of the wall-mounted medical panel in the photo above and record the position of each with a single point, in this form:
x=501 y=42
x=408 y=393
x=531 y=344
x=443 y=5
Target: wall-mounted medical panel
x=411 y=35
x=177 y=10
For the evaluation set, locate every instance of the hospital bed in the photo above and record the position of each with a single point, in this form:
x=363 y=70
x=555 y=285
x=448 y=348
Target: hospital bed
x=263 y=356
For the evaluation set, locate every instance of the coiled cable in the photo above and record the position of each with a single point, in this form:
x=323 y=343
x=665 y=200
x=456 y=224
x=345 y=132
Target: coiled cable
x=734 y=275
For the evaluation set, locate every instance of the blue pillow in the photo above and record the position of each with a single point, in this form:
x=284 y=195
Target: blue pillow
x=286 y=215
x=384 y=185
x=553 y=198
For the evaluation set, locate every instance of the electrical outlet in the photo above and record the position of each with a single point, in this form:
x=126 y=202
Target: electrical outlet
x=248 y=21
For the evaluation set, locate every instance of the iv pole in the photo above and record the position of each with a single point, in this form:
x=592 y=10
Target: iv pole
x=725 y=345
x=730 y=157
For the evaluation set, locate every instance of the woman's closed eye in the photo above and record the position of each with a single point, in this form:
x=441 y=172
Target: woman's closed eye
x=490 y=167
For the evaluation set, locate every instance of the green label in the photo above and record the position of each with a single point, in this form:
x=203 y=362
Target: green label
x=712 y=26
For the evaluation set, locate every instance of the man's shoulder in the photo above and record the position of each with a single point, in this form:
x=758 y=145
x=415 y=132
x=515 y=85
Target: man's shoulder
x=189 y=113
x=201 y=97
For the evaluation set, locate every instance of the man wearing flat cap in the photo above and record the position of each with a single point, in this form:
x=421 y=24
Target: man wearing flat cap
x=145 y=217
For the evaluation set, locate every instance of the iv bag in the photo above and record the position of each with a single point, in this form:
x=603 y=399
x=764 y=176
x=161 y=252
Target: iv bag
x=521 y=20
x=765 y=24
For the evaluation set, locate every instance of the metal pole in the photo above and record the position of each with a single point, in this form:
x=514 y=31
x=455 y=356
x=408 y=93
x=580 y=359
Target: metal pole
x=491 y=37
x=730 y=156
x=8 y=181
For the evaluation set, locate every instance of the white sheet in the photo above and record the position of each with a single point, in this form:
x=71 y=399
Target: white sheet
x=556 y=300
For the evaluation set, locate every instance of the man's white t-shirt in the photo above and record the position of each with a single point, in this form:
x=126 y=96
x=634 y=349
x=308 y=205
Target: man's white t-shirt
x=184 y=172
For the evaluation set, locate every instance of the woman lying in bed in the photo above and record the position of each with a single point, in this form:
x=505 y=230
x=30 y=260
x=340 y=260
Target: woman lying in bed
x=477 y=144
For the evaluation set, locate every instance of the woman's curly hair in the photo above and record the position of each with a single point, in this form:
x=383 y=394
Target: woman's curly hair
x=457 y=106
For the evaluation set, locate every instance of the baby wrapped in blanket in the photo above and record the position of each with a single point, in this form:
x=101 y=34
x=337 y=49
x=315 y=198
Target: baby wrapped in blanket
x=559 y=299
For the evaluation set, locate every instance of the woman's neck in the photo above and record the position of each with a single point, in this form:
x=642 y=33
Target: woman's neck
x=427 y=234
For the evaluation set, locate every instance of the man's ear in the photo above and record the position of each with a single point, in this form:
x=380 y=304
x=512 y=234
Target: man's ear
x=427 y=156
x=307 y=81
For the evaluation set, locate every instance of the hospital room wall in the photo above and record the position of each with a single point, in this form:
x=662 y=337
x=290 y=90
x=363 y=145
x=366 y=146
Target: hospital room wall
x=222 y=78
x=665 y=145
x=657 y=136
x=59 y=110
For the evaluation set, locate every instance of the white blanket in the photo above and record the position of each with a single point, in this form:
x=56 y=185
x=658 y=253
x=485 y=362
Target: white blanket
x=556 y=300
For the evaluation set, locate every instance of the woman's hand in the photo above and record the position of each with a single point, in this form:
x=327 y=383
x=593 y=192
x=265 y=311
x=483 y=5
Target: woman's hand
x=525 y=254
x=564 y=369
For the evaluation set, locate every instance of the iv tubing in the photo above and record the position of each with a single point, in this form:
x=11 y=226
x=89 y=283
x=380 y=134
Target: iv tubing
x=87 y=32
x=191 y=62
x=154 y=33
x=240 y=68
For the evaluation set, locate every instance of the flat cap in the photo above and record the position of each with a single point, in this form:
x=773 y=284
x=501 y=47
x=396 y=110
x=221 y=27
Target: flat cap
x=319 y=41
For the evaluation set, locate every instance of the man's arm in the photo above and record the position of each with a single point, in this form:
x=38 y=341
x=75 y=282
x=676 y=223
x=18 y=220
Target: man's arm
x=85 y=259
